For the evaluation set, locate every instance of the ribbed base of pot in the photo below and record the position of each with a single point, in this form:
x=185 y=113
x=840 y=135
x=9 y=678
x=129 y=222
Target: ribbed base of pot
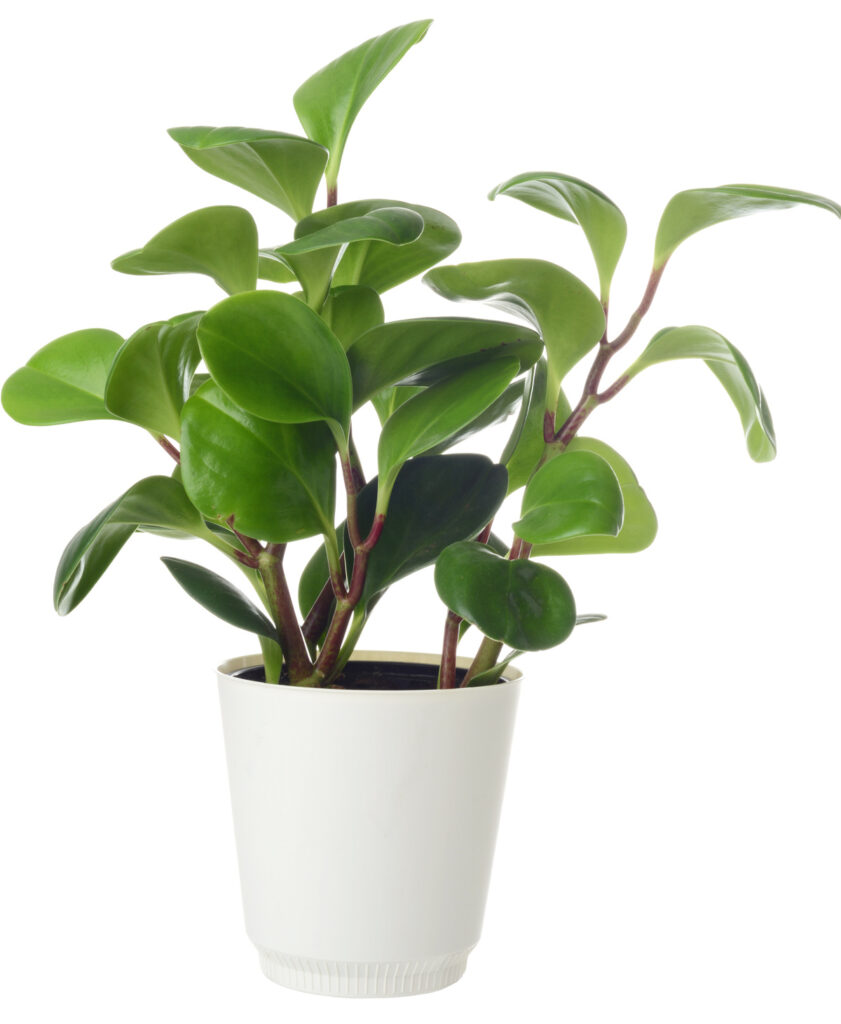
x=343 y=978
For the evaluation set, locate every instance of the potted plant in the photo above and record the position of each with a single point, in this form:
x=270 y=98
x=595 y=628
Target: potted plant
x=367 y=786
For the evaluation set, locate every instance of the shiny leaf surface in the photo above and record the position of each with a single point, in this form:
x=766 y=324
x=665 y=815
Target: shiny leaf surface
x=352 y=310
x=393 y=225
x=521 y=603
x=219 y=241
x=285 y=170
x=64 y=382
x=574 y=200
x=496 y=412
x=276 y=479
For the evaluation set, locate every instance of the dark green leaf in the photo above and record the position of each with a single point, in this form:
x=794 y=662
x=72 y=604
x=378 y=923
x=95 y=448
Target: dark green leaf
x=568 y=315
x=156 y=501
x=379 y=265
x=277 y=359
x=152 y=374
x=276 y=479
x=729 y=365
x=436 y=414
x=576 y=494
x=600 y=218
x=285 y=170
x=521 y=603
x=328 y=102
x=64 y=381
x=220 y=241
x=399 y=350
x=639 y=525
x=699 y=208
x=218 y=596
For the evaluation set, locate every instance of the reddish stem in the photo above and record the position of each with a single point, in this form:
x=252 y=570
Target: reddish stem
x=168 y=447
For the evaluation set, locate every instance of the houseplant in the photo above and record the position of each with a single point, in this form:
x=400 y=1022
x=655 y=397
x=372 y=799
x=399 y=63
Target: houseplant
x=259 y=441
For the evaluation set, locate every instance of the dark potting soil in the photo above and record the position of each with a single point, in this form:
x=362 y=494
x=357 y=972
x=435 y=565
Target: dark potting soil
x=371 y=675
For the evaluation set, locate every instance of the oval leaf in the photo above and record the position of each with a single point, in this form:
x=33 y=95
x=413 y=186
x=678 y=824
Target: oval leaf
x=277 y=359
x=218 y=596
x=496 y=412
x=351 y=311
x=64 y=382
x=729 y=365
x=157 y=501
x=397 y=351
x=523 y=604
x=568 y=315
x=219 y=241
x=574 y=200
x=393 y=225
x=699 y=208
x=575 y=495
x=152 y=374
x=436 y=414
x=639 y=523
x=285 y=170
x=377 y=264
x=276 y=479
x=328 y=102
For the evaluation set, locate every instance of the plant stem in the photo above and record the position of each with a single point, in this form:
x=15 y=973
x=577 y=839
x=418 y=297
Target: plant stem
x=168 y=447
x=447 y=672
x=356 y=465
x=486 y=657
x=252 y=546
x=332 y=194
x=298 y=665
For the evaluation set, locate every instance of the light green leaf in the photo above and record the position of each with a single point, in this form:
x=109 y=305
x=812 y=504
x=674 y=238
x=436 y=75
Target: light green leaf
x=219 y=241
x=576 y=494
x=152 y=374
x=639 y=524
x=699 y=208
x=64 y=381
x=496 y=412
x=393 y=225
x=729 y=365
x=574 y=200
x=277 y=359
x=278 y=480
x=218 y=596
x=521 y=603
x=568 y=315
x=494 y=674
x=404 y=350
x=271 y=267
x=436 y=414
x=156 y=501
x=328 y=102
x=377 y=264
x=285 y=170
x=350 y=311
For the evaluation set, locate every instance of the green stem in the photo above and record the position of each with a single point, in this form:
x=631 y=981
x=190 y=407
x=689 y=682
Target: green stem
x=486 y=657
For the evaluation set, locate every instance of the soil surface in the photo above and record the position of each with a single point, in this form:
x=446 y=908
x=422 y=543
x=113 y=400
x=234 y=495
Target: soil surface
x=371 y=675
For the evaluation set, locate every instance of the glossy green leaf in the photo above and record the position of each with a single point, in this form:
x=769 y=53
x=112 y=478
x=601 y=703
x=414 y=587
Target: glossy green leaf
x=64 y=382
x=699 y=208
x=568 y=315
x=277 y=359
x=521 y=603
x=328 y=102
x=388 y=400
x=352 y=310
x=219 y=597
x=576 y=494
x=393 y=225
x=574 y=200
x=285 y=170
x=639 y=523
x=152 y=374
x=494 y=674
x=276 y=479
x=436 y=414
x=402 y=349
x=436 y=500
x=496 y=412
x=156 y=501
x=377 y=264
x=729 y=365
x=219 y=241
x=271 y=267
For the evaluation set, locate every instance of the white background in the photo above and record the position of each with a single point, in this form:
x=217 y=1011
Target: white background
x=670 y=843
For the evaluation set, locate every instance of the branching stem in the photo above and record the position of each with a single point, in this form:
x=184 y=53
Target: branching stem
x=298 y=664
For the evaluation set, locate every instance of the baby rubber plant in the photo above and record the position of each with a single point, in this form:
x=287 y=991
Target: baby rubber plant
x=580 y=496
x=253 y=399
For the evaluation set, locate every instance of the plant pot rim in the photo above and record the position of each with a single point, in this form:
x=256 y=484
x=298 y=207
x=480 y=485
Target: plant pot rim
x=511 y=675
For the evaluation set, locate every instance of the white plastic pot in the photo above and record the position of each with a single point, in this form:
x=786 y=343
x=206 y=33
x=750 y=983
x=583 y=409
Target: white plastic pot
x=365 y=826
